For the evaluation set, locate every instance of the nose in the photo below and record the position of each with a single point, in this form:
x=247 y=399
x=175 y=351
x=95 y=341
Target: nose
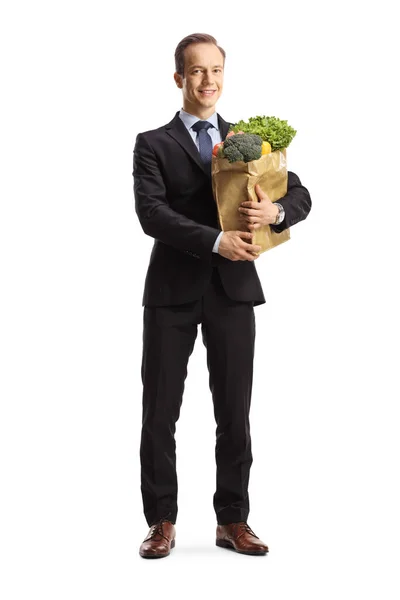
x=208 y=76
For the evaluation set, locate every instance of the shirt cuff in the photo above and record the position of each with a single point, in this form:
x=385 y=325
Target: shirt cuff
x=217 y=241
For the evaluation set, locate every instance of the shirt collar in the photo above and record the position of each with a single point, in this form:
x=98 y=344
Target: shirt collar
x=189 y=120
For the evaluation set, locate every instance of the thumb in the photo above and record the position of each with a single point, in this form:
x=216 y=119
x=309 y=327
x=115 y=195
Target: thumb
x=260 y=193
x=258 y=190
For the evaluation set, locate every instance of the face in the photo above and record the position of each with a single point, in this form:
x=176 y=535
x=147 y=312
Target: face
x=203 y=79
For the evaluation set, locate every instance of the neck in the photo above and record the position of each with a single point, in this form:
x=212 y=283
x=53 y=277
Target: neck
x=201 y=113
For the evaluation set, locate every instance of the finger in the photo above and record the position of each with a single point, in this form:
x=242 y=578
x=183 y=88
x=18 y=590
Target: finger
x=251 y=248
x=249 y=211
x=251 y=204
x=249 y=256
x=253 y=219
x=245 y=235
x=254 y=225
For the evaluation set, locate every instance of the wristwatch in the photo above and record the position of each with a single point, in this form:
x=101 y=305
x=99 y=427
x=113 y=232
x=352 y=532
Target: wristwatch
x=281 y=214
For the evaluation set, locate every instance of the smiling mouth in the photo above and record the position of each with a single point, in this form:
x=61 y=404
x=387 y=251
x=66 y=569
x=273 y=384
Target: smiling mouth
x=207 y=92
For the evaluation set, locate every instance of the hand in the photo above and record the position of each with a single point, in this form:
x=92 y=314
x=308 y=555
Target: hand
x=257 y=214
x=233 y=246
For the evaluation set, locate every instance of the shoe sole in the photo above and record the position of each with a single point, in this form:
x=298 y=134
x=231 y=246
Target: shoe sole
x=230 y=546
x=158 y=555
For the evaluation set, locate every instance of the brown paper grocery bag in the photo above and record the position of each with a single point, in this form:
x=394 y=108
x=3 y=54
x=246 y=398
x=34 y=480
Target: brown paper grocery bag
x=234 y=182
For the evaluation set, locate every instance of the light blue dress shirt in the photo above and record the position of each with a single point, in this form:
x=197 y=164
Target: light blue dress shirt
x=189 y=120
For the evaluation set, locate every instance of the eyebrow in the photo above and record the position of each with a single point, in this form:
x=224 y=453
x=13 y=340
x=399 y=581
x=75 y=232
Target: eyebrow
x=201 y=67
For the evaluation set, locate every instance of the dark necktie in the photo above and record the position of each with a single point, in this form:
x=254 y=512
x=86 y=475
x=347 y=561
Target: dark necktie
x=205 y=141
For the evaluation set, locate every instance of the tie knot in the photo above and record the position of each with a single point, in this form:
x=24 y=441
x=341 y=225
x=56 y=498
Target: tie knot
x=202 y=125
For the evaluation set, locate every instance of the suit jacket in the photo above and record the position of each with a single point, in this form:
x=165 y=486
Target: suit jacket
x=175 y=205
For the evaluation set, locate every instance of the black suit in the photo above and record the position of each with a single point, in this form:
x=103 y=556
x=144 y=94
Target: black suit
x=188 y=284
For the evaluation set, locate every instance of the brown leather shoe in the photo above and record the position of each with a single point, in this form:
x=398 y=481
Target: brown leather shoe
x=159 y=540
x=239 y=537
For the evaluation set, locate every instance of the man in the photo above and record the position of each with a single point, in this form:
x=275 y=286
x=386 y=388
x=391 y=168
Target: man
x=198 y=274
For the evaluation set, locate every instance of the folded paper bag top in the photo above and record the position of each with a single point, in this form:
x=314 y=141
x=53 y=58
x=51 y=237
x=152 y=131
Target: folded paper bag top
x=233 y=183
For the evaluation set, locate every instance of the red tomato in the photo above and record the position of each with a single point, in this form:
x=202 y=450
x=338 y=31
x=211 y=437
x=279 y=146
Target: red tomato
x=216 y=147
x=233 y=133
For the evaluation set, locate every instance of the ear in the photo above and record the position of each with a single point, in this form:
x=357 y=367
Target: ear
x=178 y=80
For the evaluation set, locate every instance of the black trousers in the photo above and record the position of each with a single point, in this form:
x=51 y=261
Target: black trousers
x=169 y=334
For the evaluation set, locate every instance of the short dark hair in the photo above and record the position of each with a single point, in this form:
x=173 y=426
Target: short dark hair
x=194 y=38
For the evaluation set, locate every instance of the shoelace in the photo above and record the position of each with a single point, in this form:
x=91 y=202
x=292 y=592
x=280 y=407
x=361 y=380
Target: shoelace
x=157 y=528
x=245 y=528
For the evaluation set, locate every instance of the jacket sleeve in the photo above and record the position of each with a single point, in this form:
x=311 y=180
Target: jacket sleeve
x=156 y=217
x=296 y=203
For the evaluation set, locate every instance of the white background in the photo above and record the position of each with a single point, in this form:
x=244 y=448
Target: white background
x=80 y=80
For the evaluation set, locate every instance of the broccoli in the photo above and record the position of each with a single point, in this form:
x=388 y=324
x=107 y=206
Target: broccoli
x=242 y=146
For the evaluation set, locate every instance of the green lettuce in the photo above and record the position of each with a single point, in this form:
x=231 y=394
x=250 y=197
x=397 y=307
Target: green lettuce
x=271 y=129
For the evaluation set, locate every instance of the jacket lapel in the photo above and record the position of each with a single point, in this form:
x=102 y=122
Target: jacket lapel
x=178 y=131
